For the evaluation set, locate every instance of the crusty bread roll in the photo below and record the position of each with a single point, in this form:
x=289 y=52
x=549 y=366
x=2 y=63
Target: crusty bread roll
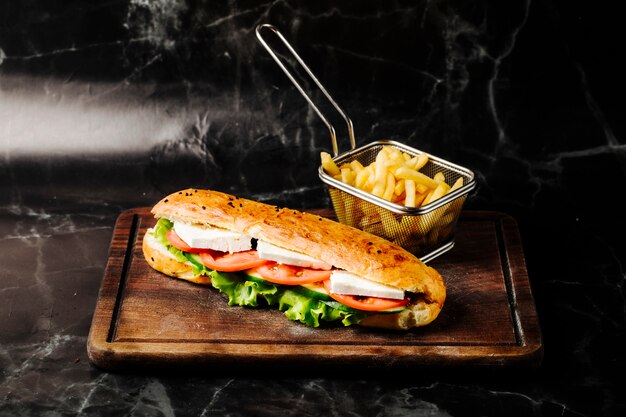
x=342 y=246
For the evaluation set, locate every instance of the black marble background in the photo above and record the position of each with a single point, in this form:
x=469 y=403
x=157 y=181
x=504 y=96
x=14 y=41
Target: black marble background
x=108 y=105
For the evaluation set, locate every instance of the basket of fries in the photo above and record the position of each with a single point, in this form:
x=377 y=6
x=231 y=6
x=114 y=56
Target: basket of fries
x=387 y=188
x=399 y=193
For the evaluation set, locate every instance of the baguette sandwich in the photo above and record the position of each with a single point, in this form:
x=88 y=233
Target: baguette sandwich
x=313 y=269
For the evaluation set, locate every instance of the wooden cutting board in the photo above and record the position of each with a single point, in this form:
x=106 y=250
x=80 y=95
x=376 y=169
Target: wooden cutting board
x=145 y=319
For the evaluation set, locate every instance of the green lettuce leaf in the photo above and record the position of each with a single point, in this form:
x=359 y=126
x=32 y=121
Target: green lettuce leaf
x=295 y=306
x=240 y=291
x=160 y=229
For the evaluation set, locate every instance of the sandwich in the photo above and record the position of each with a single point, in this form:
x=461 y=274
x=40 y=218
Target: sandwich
x=313 y=269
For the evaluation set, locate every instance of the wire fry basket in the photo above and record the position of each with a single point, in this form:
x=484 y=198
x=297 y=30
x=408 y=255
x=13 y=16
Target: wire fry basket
x=426 y=231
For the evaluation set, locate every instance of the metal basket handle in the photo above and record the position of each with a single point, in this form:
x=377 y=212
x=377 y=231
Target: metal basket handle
x=333 y=136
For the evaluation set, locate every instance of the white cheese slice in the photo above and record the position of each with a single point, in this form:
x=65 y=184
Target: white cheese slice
x=343 y=282
x=284 y=256
x=212 y=238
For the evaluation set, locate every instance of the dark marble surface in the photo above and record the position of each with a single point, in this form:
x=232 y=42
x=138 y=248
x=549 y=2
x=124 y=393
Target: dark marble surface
x=108 y=105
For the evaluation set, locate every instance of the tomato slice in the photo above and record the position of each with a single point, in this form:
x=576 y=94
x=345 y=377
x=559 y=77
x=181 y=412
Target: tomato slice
x=178 y=243
x=291 y=275
x=365 y=303
x=231 y=262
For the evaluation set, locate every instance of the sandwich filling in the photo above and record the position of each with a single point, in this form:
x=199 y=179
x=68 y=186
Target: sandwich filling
x=247 y=270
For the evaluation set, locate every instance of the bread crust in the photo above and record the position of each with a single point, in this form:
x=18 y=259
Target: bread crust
x=415 y=315
x=342 y=246
x=163 y=261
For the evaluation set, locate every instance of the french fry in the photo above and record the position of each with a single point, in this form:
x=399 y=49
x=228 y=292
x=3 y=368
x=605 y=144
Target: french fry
x=457 y=184
x=421 y=188
x=417 y=162
x=422 y=159
x=400 y=187
x=371 y=179
x=329 y=165
x=369 y=220
x=409 y=188
x=426 y=197
x=347 y=176
x=418 y=177
x=399 y=199
x=389 y=187
x=412 y=223
x=438 y=192
x=379 y=189
x=375 y=229
x=361 y=178
x=394 y=154
x=412 y=162
x=419 y=199
x=380 y=167
x=439 y=177
x=389 y=222
x=356 y=166
x=350 y=214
